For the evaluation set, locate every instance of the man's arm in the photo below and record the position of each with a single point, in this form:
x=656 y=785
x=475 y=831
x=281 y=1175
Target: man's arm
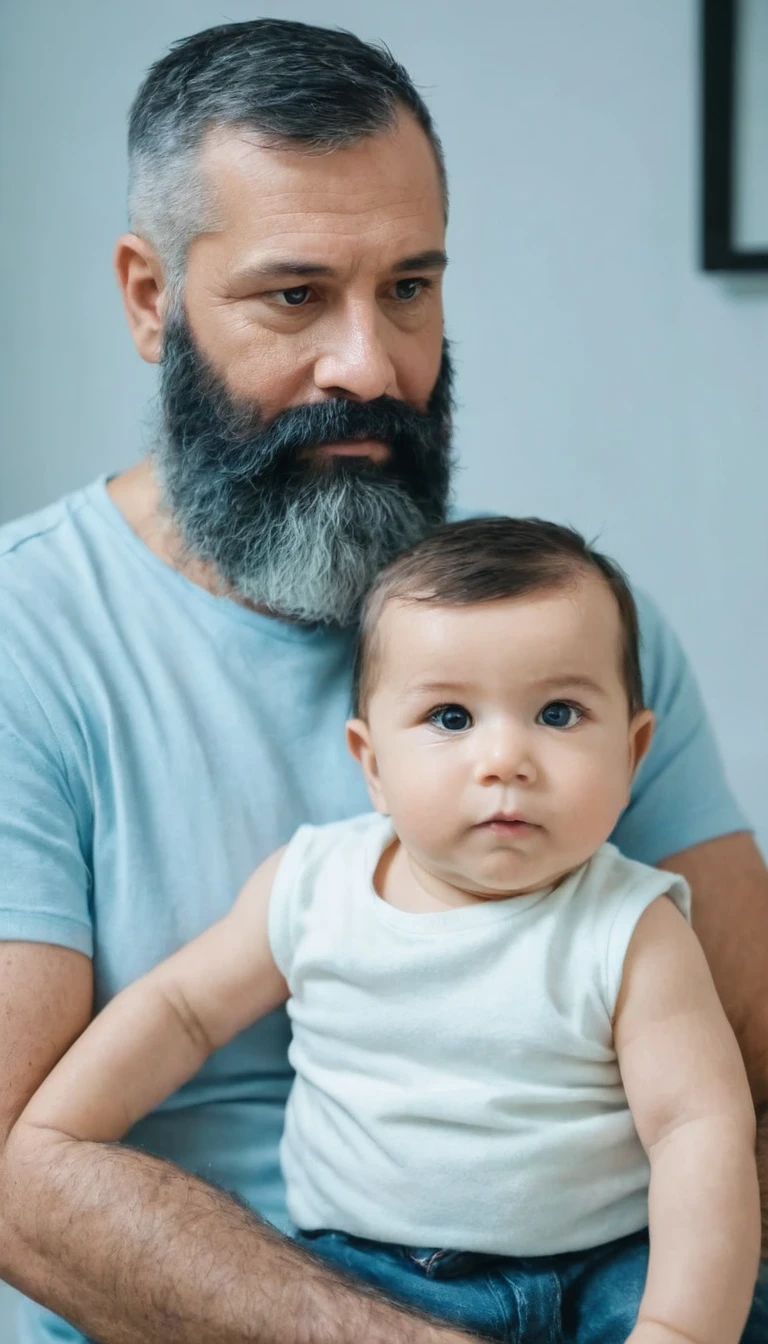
x=729 y=881
x=128 y=1247
x=687 y=1089
x=132 y=1249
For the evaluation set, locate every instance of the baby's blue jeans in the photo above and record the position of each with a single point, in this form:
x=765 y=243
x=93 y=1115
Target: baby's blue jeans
x=582 y=1297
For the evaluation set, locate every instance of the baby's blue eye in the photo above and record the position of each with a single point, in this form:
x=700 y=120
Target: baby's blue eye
x=558 y=714
x=451 y=718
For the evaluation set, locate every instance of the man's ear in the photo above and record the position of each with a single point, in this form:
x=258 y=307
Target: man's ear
x=142 y=284
x=640 y=737
x=361 y=747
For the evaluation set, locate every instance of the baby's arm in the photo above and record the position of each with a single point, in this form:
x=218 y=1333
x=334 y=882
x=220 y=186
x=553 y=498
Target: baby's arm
x=688 y=1092
x=153 y=1036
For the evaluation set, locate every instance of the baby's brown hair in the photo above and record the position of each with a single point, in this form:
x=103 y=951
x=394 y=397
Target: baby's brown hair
x=484 y=560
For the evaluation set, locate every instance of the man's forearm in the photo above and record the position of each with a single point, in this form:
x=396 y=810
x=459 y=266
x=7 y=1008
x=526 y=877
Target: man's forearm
x=133 y=1250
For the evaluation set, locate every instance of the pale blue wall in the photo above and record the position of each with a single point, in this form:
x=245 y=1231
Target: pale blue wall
x=604 y=380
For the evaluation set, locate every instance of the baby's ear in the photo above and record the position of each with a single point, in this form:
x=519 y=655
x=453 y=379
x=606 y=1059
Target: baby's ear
x=640 y=737
x=361 y=747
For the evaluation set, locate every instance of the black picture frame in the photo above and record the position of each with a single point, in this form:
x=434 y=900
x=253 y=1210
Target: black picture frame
x=719 y=30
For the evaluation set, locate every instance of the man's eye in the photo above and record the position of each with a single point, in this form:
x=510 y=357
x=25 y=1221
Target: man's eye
x=451 y=718
x=293 y=298
x=407 y=290
x=559 y=714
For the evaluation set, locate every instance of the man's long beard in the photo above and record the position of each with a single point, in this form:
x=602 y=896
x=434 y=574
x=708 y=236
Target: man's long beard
x=298 y=538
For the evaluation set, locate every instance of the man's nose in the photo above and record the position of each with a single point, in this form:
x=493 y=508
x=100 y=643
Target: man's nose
x=505 y=757
x=357 y=363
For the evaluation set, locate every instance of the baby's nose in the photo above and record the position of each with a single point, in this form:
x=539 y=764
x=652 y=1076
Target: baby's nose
x=506 y=759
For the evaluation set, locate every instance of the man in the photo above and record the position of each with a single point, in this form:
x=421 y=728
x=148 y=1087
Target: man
x=175 y=669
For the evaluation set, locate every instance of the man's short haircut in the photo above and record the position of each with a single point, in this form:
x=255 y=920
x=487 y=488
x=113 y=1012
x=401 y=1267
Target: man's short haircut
x=318 y=89
x=484 y=560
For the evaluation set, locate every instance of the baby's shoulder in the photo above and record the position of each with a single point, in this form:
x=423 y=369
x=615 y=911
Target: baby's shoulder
x=330 y=853
x=609 y=897
x=610 y=883
x=315 y=891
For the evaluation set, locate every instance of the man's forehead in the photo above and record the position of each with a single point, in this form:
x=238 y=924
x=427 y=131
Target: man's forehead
x=382 y=183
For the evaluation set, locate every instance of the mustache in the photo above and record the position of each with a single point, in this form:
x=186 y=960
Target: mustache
x=198 y=408
x=299 y=428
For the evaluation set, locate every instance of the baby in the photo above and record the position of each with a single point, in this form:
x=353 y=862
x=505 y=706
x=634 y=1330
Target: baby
x=511 y=1062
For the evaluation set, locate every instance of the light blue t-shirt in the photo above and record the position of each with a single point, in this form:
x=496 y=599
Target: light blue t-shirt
x=157 y=742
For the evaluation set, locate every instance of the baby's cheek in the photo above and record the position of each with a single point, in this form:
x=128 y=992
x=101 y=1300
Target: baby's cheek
x=597 y=796
x=428 y=818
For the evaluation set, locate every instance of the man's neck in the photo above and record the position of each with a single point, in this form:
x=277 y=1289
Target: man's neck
x=136 y=493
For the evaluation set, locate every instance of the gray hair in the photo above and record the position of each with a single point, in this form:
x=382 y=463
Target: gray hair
x=320 y=89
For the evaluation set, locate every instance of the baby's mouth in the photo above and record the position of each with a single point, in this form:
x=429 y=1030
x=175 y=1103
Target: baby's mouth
x=509 y=823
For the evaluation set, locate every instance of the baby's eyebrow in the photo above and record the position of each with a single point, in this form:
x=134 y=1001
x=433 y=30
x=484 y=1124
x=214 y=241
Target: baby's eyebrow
x=436 y=688
x=567 y=681
x=572 y=681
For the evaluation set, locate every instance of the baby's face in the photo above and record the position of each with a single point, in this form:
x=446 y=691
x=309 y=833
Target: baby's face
x=499 y=737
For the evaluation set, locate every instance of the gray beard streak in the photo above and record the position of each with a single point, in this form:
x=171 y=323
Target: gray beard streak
x=312 y=558
x=317 y=562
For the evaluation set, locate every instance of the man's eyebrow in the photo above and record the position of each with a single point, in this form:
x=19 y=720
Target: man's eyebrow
x=282 y=267
x=434 y=259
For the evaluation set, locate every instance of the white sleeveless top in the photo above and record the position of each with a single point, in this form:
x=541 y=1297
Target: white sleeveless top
x=456 y=1081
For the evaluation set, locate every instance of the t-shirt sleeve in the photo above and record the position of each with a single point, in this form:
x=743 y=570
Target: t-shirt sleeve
x=611 y=897
x=44 y=875
x=638 y=895
x=681 y=796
